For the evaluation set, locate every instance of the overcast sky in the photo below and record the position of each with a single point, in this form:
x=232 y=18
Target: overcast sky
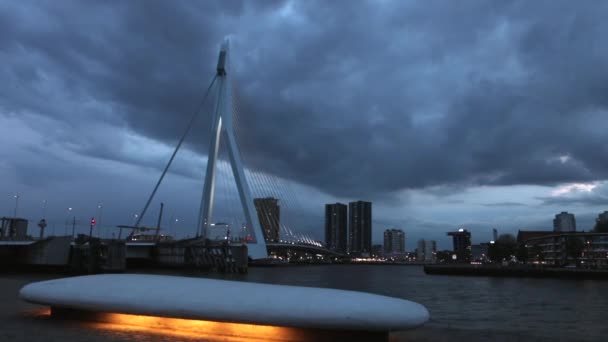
x=445 y=114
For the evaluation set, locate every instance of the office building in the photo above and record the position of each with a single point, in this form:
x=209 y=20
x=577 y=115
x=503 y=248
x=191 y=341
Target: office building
x=556 y=249
x=462 y=245
x=426 y=251
x=360 y=228
x=269 y=214
x=564 y=222
x=394 y=242
x=336 y=227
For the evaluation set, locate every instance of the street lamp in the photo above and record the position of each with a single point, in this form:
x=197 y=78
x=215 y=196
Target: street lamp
x=67 y=220
x=99 y=213
x=16 y=205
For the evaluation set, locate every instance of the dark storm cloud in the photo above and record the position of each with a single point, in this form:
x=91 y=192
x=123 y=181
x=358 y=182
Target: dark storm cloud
x=356 y=98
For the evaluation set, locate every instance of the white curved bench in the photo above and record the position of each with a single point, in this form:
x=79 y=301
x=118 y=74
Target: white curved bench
x=229 y=301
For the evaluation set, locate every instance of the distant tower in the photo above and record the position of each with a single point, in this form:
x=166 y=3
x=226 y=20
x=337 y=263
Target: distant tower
x=360 y=228
x=430 y=250
x=426 y=251
x=564 y=222
x=494 y=234
x=336 y=227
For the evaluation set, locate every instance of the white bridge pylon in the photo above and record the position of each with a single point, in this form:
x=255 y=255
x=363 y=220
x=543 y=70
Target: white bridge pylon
x=222 y=127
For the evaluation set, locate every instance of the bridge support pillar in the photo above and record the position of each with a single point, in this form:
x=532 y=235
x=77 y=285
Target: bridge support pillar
x=222 y=127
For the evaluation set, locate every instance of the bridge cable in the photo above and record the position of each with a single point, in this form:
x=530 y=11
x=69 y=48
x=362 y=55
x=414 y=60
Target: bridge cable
x=253 y=174
x=190 y=124
x=271 y=183
x=249 y=174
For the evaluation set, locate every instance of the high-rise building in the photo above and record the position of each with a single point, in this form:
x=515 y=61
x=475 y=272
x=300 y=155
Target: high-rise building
x=394 y=242
x=336 y=227
x=426 y=251
x=420 y=250
x=603 y=217
x=564 y=222
x=360 y=228
x=462 y=244
x=269 y=214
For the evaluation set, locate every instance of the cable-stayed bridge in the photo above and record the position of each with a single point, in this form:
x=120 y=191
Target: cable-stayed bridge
x=239 y=202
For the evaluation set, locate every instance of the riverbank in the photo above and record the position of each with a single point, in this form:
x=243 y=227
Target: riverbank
x=522 y=271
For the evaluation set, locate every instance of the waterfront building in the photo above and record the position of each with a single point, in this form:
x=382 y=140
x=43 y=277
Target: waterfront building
x=585 y=249
x=360 y=228
x=462 y=244
x=430 y=250
x=336 y=227
x=394 y=242
x=564 y=222
x=269 y=214
x=426 y=251
x=377 y=251
x=479 y=252
x=218 y=231
x=524 y=235
x=420 y=250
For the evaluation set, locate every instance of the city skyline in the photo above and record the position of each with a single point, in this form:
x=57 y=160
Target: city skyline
x=458 y=136
x=482 y=235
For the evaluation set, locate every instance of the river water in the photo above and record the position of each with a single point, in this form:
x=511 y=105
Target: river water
x=462 y=308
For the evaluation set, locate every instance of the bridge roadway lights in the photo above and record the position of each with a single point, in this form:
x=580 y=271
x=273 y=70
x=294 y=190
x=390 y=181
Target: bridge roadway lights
x=196 y=306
